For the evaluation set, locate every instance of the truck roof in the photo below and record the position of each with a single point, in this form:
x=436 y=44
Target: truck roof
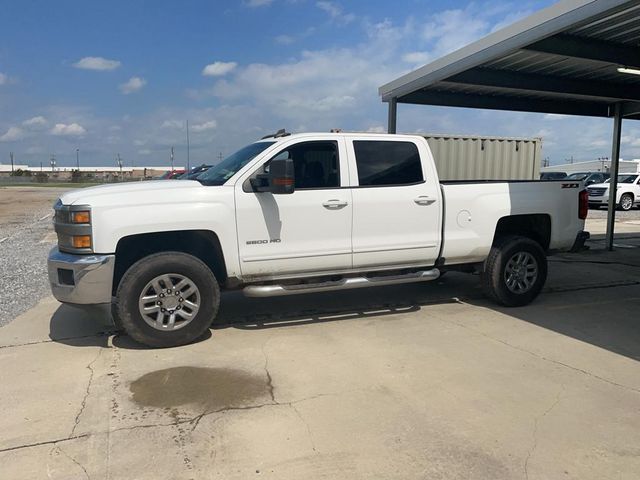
x=331 y=135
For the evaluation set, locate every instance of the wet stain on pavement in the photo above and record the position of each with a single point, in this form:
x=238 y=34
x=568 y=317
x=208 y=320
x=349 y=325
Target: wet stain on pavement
x=207 y=388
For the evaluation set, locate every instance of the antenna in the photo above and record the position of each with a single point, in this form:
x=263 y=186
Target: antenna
x=188 y=160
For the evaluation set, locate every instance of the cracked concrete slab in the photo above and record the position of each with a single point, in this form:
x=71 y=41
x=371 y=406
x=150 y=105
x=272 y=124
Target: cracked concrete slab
x=426 y=381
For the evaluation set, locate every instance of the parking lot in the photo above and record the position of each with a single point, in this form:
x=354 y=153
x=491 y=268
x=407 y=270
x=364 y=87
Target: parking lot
x=417 y=381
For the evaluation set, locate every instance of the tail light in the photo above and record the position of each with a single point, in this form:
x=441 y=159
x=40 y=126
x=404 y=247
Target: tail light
x=583 y=204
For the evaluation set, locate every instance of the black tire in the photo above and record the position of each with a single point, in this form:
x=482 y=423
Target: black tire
x=115 y=317
x=494 y=281
x=141 y=273
x=626 y=202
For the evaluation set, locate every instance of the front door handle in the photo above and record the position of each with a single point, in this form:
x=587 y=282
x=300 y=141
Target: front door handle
x=424 y=200
x=334 y=204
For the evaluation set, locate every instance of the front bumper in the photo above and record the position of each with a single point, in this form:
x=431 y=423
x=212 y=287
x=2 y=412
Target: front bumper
x=81 y=279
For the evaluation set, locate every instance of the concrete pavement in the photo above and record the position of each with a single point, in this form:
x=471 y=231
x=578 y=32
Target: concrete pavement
x=421 y=381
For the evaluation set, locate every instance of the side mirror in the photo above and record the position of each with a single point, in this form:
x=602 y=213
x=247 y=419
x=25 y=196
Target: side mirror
x=281 y=176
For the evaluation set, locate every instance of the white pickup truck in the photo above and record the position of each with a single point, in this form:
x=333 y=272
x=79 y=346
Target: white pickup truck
x=302 y=213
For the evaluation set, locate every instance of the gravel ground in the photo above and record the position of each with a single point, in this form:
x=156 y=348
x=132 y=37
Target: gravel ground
x=26 y=236
x=633 y=214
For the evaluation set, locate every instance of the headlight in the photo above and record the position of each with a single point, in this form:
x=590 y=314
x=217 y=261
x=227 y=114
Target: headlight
x=72 y=223
x=81 y=216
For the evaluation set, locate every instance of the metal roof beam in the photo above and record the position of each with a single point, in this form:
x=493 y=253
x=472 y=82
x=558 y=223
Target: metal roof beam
x=498 y=102
x=589 y=49
x=527 y=82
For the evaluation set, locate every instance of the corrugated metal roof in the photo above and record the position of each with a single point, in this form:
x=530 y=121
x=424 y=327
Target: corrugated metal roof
x=562 y=59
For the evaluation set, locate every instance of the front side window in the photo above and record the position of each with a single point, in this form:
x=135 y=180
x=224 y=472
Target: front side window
x=316 y=164
x=387 y=163
x=627 y=178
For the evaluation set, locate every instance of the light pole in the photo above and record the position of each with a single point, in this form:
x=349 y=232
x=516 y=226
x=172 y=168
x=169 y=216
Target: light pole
x=53 y=163
x=119 y=161
x=171 y=159
x=78 y=159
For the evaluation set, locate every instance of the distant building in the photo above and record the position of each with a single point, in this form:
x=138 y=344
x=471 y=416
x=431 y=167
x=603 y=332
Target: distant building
x=625 y=166
x=4 y=168
x=97 y=172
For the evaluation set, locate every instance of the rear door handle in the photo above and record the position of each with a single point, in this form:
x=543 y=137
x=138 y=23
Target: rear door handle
x=424 y=200
x=334 y=204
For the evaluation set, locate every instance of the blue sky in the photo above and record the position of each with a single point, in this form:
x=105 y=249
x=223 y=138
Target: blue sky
x=124 y=76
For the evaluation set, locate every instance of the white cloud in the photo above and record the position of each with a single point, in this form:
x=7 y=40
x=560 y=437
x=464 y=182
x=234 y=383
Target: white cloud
x=335 y=12
x=555 y=116
x=332 y=81
x=258 y=3
x=68 y=130
x=13 y=134
x=35 y=123
x=172 y=124
x=218 y=69
x=377 y=129
x=284 y=39
x=132 y=85
x=453 y=29
x=144 y=151
x=416 y=57
x=97 y=63
x=202 y=127
x=4 y=79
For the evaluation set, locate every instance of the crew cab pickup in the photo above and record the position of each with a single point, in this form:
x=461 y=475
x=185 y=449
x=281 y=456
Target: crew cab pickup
x=303 y=213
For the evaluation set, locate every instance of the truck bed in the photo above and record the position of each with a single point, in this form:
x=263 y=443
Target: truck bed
x=472 y=210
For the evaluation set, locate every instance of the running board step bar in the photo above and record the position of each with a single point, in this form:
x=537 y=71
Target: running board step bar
x=344 y=284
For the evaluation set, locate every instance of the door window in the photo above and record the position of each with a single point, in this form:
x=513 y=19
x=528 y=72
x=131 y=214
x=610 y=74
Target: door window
x=316 y=164
x=387 y=163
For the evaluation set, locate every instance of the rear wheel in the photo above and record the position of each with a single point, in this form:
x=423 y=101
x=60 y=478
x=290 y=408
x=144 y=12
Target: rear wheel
x=515 y=271
x=167 y=299
x=626 y=202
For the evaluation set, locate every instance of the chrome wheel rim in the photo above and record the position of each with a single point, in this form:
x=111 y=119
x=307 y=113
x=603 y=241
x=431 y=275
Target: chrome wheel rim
x=521 y=272
x=626 y=202
x=169 y=302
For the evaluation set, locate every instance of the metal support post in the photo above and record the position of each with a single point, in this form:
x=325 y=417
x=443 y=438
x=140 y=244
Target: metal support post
x=393 y=115
x=613 y=183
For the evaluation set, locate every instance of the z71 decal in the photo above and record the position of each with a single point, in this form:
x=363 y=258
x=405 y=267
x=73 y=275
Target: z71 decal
x=570 y=185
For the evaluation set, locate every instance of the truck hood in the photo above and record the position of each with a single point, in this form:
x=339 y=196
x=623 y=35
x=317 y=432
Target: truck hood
x=124 y=192
x=599 y=185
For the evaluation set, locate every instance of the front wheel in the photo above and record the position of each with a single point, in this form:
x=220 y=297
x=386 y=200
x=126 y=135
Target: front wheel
x=626 y=202
x=515 y=271
x=167 y=299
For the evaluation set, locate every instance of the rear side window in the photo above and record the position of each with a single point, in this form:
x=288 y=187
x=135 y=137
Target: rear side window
x=387 y=163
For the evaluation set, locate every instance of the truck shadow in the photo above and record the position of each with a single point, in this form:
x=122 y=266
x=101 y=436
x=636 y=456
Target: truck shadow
x=595 y=303
x=603 y=315
x=245 y=313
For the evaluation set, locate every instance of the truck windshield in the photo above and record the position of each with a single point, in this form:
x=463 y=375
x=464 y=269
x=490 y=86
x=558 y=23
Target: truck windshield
x=220 y=173
x=577 y=176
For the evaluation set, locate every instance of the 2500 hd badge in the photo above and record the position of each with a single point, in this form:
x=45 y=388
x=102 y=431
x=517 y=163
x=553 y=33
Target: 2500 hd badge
x=258 y=242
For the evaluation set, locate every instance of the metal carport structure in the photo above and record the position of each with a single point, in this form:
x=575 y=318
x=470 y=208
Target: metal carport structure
x=564 y=59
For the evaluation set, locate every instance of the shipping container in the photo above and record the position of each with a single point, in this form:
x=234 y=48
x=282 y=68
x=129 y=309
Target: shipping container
x=469 y=157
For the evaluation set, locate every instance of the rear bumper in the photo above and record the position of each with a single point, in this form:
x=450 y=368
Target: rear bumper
x=81 y=279
x=581 y=237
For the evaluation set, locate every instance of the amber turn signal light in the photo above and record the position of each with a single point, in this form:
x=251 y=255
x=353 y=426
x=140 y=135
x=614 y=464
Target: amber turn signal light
x=81 y=241
x=83 y=216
